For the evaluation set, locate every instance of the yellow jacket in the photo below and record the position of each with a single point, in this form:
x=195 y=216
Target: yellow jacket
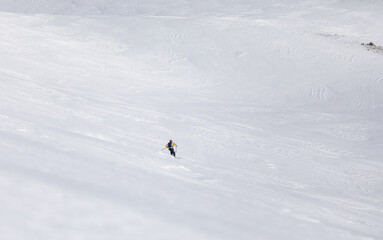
x=171 y=145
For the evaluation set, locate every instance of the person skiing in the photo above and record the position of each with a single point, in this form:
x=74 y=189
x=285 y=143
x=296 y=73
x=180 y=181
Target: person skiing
x=171 y=146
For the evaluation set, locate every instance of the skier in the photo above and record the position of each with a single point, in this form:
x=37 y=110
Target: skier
x=171 y=146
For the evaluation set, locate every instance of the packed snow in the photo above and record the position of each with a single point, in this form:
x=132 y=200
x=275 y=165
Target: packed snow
x=276 y=108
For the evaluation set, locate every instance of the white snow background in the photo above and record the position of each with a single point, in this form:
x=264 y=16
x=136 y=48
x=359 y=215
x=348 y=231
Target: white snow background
x=276 y=108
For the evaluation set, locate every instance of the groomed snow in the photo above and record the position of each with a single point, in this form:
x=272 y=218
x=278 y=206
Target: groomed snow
x=276 y=108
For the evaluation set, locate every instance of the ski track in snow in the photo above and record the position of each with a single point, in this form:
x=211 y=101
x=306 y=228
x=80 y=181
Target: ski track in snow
x=277 y=115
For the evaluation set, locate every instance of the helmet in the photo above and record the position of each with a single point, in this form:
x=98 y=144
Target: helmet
x=171 y=141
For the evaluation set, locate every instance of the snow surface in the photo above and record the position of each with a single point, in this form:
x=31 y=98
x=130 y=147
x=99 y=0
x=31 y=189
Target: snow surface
x=276 y=108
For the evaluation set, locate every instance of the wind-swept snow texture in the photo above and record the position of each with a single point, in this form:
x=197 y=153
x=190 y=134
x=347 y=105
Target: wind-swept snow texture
x=275 y=106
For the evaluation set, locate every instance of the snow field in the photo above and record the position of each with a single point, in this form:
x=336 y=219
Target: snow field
x=275 y=106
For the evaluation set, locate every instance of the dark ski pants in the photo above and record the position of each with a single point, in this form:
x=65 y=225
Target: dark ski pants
x=172 y=152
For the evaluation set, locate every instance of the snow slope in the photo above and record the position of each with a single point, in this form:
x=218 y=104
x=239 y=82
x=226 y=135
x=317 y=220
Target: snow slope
x=276 y=107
